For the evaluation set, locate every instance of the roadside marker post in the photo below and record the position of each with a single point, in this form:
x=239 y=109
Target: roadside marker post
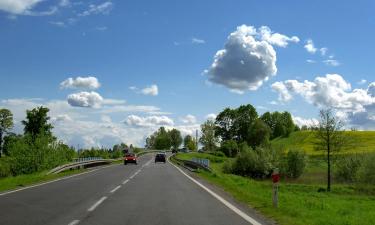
x=275 y=187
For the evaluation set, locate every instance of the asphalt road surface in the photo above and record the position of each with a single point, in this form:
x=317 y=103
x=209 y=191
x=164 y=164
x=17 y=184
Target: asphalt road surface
x=143 y=194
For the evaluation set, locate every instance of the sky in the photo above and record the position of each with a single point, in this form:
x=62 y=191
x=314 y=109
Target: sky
x=114 y=71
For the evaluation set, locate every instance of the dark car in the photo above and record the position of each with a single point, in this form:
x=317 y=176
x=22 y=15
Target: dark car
x=160 y=157
x=174 y=151
x=130 y=158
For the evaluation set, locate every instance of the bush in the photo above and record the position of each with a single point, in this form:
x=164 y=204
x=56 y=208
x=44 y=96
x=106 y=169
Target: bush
x=295 y=163
x=217 y=153
x=366 y=172
x=229 y=148
x=228 y=167
x=5 y=168
x=347 y=168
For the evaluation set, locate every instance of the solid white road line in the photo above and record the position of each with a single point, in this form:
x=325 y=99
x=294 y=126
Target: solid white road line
x=115 y=189
x=48 y=182
x=125 y=181
x=74 y=222
x=93 y=207
x=222 y=200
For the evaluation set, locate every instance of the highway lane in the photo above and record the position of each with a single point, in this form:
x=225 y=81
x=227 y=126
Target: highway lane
x=148 y=193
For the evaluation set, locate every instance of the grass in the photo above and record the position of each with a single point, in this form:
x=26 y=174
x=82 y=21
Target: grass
x=10 y=183
x=300 y=204
x=364 y=142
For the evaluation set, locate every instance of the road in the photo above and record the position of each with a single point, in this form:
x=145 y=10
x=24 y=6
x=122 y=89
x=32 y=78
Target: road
x=146 y=193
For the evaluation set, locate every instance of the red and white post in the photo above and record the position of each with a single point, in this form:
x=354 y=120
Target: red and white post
x=275 y=187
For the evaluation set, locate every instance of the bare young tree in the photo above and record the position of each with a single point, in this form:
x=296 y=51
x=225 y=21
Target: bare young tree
x=329 y=138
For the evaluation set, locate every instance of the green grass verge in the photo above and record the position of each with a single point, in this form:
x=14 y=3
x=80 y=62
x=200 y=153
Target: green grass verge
x=300 y=204
x=363 y=142
x=10 y=183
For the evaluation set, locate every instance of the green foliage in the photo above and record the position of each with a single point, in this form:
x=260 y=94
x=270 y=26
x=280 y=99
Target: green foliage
x=189 y=143
x=295 y=163
x=36 y=123
x=366 y=174
x=175 y=137
x=217 y=153
x=6 y=123
x=208 y=139
x=159 y=140
x=5 y=169
x=259 y=134
x=281 y=124
x=347 y=168
x=229 y=148
x=28 y=155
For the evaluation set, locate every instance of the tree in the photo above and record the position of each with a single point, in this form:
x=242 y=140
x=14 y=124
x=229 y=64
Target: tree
x=224 y=124
x=162 y=139
x=245 y=115
x=229 y=148
x=176 y=139
x=329 y=138
x=189 y=142
x=259 y=134
x=281 y=124
x=208 y=139
x=36 y=123
x=6 y=123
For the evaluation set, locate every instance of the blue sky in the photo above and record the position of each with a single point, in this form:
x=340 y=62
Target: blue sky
x=128 y=46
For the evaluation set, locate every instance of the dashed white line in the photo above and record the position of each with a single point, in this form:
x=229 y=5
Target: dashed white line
x=125 y=181
x=74 y=222
x=115 y=189
x=222 y=200
x=93 y=207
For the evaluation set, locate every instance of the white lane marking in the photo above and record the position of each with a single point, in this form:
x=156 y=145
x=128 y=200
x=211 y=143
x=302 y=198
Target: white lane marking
x=48 y=182
x=125 y=181
x=93 y=207
x=222 y=200
x=74 y=222
x=115 y=189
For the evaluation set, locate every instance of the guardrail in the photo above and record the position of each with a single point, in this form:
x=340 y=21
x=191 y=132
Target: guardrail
x=80 y=164
x=87 y=159
x=190 y=165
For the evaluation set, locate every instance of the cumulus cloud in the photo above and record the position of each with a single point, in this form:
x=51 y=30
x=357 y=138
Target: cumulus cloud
x=103 y=8
x=280 y=88
x=19 y=7
x=148 y=121
x=189 y=119
x=305 y=122
x=85 y=99
x=310 y=61
x=309 y=46
x=277 y=39
x=247 y=60
x=151 y=90
x=362 y=81
x=80 y=83
x=211 y=116
x=323 y=51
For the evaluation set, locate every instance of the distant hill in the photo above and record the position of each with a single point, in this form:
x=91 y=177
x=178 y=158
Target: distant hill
x=364 y=141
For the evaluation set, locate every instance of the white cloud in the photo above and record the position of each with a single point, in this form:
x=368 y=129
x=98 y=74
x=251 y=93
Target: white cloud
x=129 y=108
x=103 y=8
x=189 y=119
x=280 y=88
x=331 y=62
x=80 y=83
x=197 y=41
x=85 y=99
x=277 y=39
x=101 y=28
x=309 y=46
x=323 y=51
x=58 y=23
x=211 y=116
x=151 y=90
x=19 y=7
x=106 y=119
x=305 y=122
x=244 y=63
x=149 y=121
x=310 y=61
x=362 y=81
x=64 y=3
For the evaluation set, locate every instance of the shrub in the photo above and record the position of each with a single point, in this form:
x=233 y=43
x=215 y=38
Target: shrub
x=366 y=172
x=347 y=168
x=217 y=153
x=228 y=166
x=295 y=163
x=4 y=168
x=229 y=148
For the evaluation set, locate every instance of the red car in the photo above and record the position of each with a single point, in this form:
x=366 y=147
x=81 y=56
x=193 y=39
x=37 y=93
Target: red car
x=130 y=158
